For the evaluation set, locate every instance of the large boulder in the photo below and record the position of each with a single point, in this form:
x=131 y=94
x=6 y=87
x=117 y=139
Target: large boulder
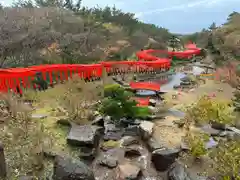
x=164 y=158
x=128 y=171
x=108 y=160
x=132 y=130
x=153 y=144
x=129 y=140
x=112 y=132
x=111 y=158
x=146 y=129
x=87 y=135
x=209 y=130
x=179 y=172
x=71 y=169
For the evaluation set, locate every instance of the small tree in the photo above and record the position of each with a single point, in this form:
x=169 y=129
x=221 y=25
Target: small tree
x=208 y=109
x=118 y=103
x=197 y=144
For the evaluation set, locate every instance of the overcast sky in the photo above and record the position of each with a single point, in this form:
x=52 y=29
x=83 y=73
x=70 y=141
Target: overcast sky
x=179 y=16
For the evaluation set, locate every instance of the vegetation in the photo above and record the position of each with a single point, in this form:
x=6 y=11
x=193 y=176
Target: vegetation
x=227 y=159
x=22 y=135
x=79 y=100
x=197 y=144
x=118 y=103
x=226 y=156
x=222 y=42
x=95 y=33
x=208 y=109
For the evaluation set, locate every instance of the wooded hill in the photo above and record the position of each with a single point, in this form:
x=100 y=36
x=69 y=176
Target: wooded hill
x=52 y=31
x=223 y=42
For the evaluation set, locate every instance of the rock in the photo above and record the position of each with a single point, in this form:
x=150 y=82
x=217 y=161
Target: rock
x=235 y=130
x=237 y=124
x=128 y=171
x=39 y=116
x=107 y=159
x=112 y=135
x=176 y=86
x=127 y=121
x=118 y=153
x=98 y=121
x=164 y=158
x=64 y=121
x=186 y=79
x=26 y=178
x=110 y=145
x=49 y=154
x=131 y=130
x=180 y=123
x=179 y=172
x=227 y=134
x=111 y=158
x=146 y=129
x=153 y=145
x=87 y=135
x=209 y=130
x=153 y=117
x=185 y=83
x=152 y=102
x=71 y=169
x=109 y=127
x=87 y=153
x=184 y=146
x=129 y=140
x=176 y=113
x=132 y=151
x=218 y=126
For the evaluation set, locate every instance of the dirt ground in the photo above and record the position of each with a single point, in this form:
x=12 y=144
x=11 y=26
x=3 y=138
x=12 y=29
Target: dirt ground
x=166 y=130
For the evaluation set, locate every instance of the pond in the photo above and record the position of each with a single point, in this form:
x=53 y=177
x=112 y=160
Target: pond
x=173 y=80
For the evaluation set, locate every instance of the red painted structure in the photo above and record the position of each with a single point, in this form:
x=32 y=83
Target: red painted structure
x=145 y=85
x=18 y=78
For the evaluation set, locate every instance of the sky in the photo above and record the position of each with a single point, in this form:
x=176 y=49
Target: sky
x=179 y=16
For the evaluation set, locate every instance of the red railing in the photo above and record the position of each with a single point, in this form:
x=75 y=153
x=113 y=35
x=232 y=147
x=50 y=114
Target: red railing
x=18 y=78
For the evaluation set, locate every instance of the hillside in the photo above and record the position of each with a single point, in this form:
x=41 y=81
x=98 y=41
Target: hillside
x=53 y=32
x=222 y=42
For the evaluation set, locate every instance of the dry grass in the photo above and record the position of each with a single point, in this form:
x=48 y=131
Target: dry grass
x=25 y=138
x=79 y=99
x=22 y=138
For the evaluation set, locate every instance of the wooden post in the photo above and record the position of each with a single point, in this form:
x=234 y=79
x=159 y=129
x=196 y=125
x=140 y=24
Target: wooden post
x=3 y=169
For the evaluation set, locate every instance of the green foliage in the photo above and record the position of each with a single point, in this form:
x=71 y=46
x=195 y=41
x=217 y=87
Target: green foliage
x=118 y=103
x=208 y=109
x=227 y=159
x=111 y=89
x=196 y=143
x=142 y=112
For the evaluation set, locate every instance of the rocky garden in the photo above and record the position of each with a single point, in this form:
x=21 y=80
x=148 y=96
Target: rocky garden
x=91 y=131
